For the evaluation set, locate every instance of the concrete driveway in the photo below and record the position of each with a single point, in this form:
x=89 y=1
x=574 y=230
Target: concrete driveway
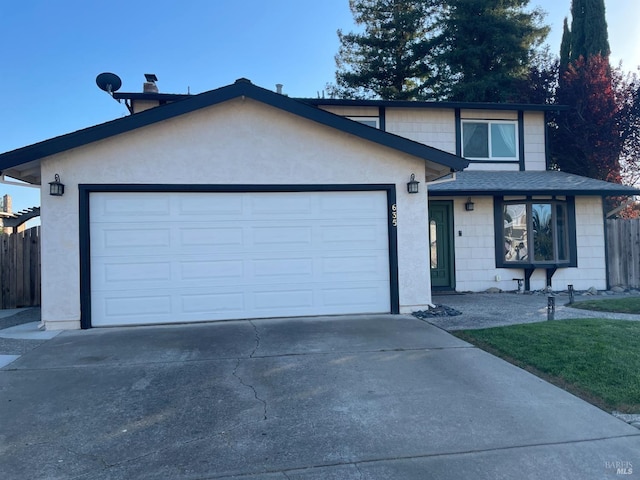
x=366 y=397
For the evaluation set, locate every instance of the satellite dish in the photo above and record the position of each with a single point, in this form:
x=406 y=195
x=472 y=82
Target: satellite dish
x=109 y=82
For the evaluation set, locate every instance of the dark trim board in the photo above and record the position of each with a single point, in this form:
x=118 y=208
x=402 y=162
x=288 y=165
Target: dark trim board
x=521 y=159
x=85 y=191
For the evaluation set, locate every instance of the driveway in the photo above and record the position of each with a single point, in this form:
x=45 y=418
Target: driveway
x=362 y=397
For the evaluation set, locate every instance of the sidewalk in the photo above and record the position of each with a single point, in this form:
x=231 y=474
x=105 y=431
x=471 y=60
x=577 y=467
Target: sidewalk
x=486 y=310
x=19 y=333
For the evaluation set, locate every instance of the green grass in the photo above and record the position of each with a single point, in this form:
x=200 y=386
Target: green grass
x=616 y=305
x=595 y=359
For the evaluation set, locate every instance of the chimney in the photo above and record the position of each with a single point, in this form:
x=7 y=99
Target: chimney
x=279 y=88
x=7 y=206
x=150 y=85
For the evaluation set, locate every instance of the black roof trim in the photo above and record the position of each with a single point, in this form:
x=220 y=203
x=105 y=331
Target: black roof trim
x=241 y=88
x=432 y=104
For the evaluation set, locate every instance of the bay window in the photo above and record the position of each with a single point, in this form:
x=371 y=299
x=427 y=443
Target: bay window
x=535 y=232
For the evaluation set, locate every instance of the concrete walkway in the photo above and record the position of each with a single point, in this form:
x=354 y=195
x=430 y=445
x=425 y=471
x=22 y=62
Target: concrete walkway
x=365 y=397
x=486 y=310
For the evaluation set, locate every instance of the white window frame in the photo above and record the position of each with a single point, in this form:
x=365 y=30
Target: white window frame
x=489 y=124
x=363 y=119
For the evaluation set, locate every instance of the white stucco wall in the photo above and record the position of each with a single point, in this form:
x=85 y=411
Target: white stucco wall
x=475 y=268
x=237 y=142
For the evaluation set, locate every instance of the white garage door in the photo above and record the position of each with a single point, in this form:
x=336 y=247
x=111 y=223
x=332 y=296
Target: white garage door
x=187 y=257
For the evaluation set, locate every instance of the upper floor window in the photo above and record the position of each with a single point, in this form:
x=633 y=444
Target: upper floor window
x=369 y=121
x=489 y=140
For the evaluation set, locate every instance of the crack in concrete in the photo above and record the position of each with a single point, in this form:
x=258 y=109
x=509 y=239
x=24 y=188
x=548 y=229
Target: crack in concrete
x=253 y=389
x=257 y=335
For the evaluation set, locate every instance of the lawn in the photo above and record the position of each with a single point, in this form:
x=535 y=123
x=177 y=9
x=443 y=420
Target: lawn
x=617 y=305
x=595 y=359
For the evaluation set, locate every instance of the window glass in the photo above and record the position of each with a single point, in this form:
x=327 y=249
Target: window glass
x=515 y=233
x=369 y=121
x=433 y=234
x=542 y=221
x=503 y=140
x=475 y=140
x=563 y=235
x=536 y=232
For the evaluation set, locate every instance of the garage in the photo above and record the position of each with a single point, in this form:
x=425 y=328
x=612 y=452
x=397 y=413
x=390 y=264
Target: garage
x=187 y=256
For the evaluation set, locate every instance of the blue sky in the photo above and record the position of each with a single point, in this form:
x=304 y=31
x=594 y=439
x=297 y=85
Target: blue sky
x=53 y=50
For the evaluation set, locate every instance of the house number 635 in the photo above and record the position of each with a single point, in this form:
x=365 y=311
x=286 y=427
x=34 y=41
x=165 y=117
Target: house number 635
x=394 y=215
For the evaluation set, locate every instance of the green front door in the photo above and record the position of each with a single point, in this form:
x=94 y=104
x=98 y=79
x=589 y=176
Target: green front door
x=441 y=245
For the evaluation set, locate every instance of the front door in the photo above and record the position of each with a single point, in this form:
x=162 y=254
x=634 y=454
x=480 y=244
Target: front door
x=441 y=245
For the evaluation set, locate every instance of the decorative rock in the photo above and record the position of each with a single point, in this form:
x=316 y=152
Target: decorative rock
x=617 y=290
x=493 y=290
x=438 y=311
x=592 y=291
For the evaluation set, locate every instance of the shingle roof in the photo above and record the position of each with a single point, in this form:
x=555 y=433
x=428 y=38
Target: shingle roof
x=241 y=88
x=530 y=183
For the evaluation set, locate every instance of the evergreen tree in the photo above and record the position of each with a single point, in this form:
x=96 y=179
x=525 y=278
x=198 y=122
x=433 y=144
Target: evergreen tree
x=390 y=59
x=565 y=46
x=588 y=30
x=588 y=139
x=485 y=49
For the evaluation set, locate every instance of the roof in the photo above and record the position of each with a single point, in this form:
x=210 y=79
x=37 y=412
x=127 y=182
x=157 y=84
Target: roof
x=29 y=156
x=433 y=104
x=530 y=183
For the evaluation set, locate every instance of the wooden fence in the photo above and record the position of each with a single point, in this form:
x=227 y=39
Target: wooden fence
x=20 y=269
x=623 y=239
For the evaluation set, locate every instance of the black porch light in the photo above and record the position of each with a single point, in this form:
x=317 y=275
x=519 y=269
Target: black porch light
x=56 y=188
x=469 y=206
x=412 y=186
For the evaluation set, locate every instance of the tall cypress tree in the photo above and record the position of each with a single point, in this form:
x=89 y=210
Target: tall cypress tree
x=389 y=59
x=565 y=46
x=588 y=29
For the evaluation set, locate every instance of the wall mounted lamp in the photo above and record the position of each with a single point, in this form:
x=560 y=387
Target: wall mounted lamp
x=412 y=186
x=56 y=188
x=469 y=206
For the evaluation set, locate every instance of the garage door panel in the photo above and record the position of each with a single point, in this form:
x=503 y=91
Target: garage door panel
x=197 y=207
x=274 y=269
x=238 y=255
x=268 y=206
x=292 y=297
x=280 y=237
x=203 y=270
x=356 y=297
x=357 y=267
x=349 y=205
x=131 y=208
x=221 y=237
x=205 y=303
x=122 y=239
x=358 y=237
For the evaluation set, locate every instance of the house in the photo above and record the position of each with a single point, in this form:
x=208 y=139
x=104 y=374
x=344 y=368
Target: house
x=236 y=203
x=244 y=203
x=507 y=221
